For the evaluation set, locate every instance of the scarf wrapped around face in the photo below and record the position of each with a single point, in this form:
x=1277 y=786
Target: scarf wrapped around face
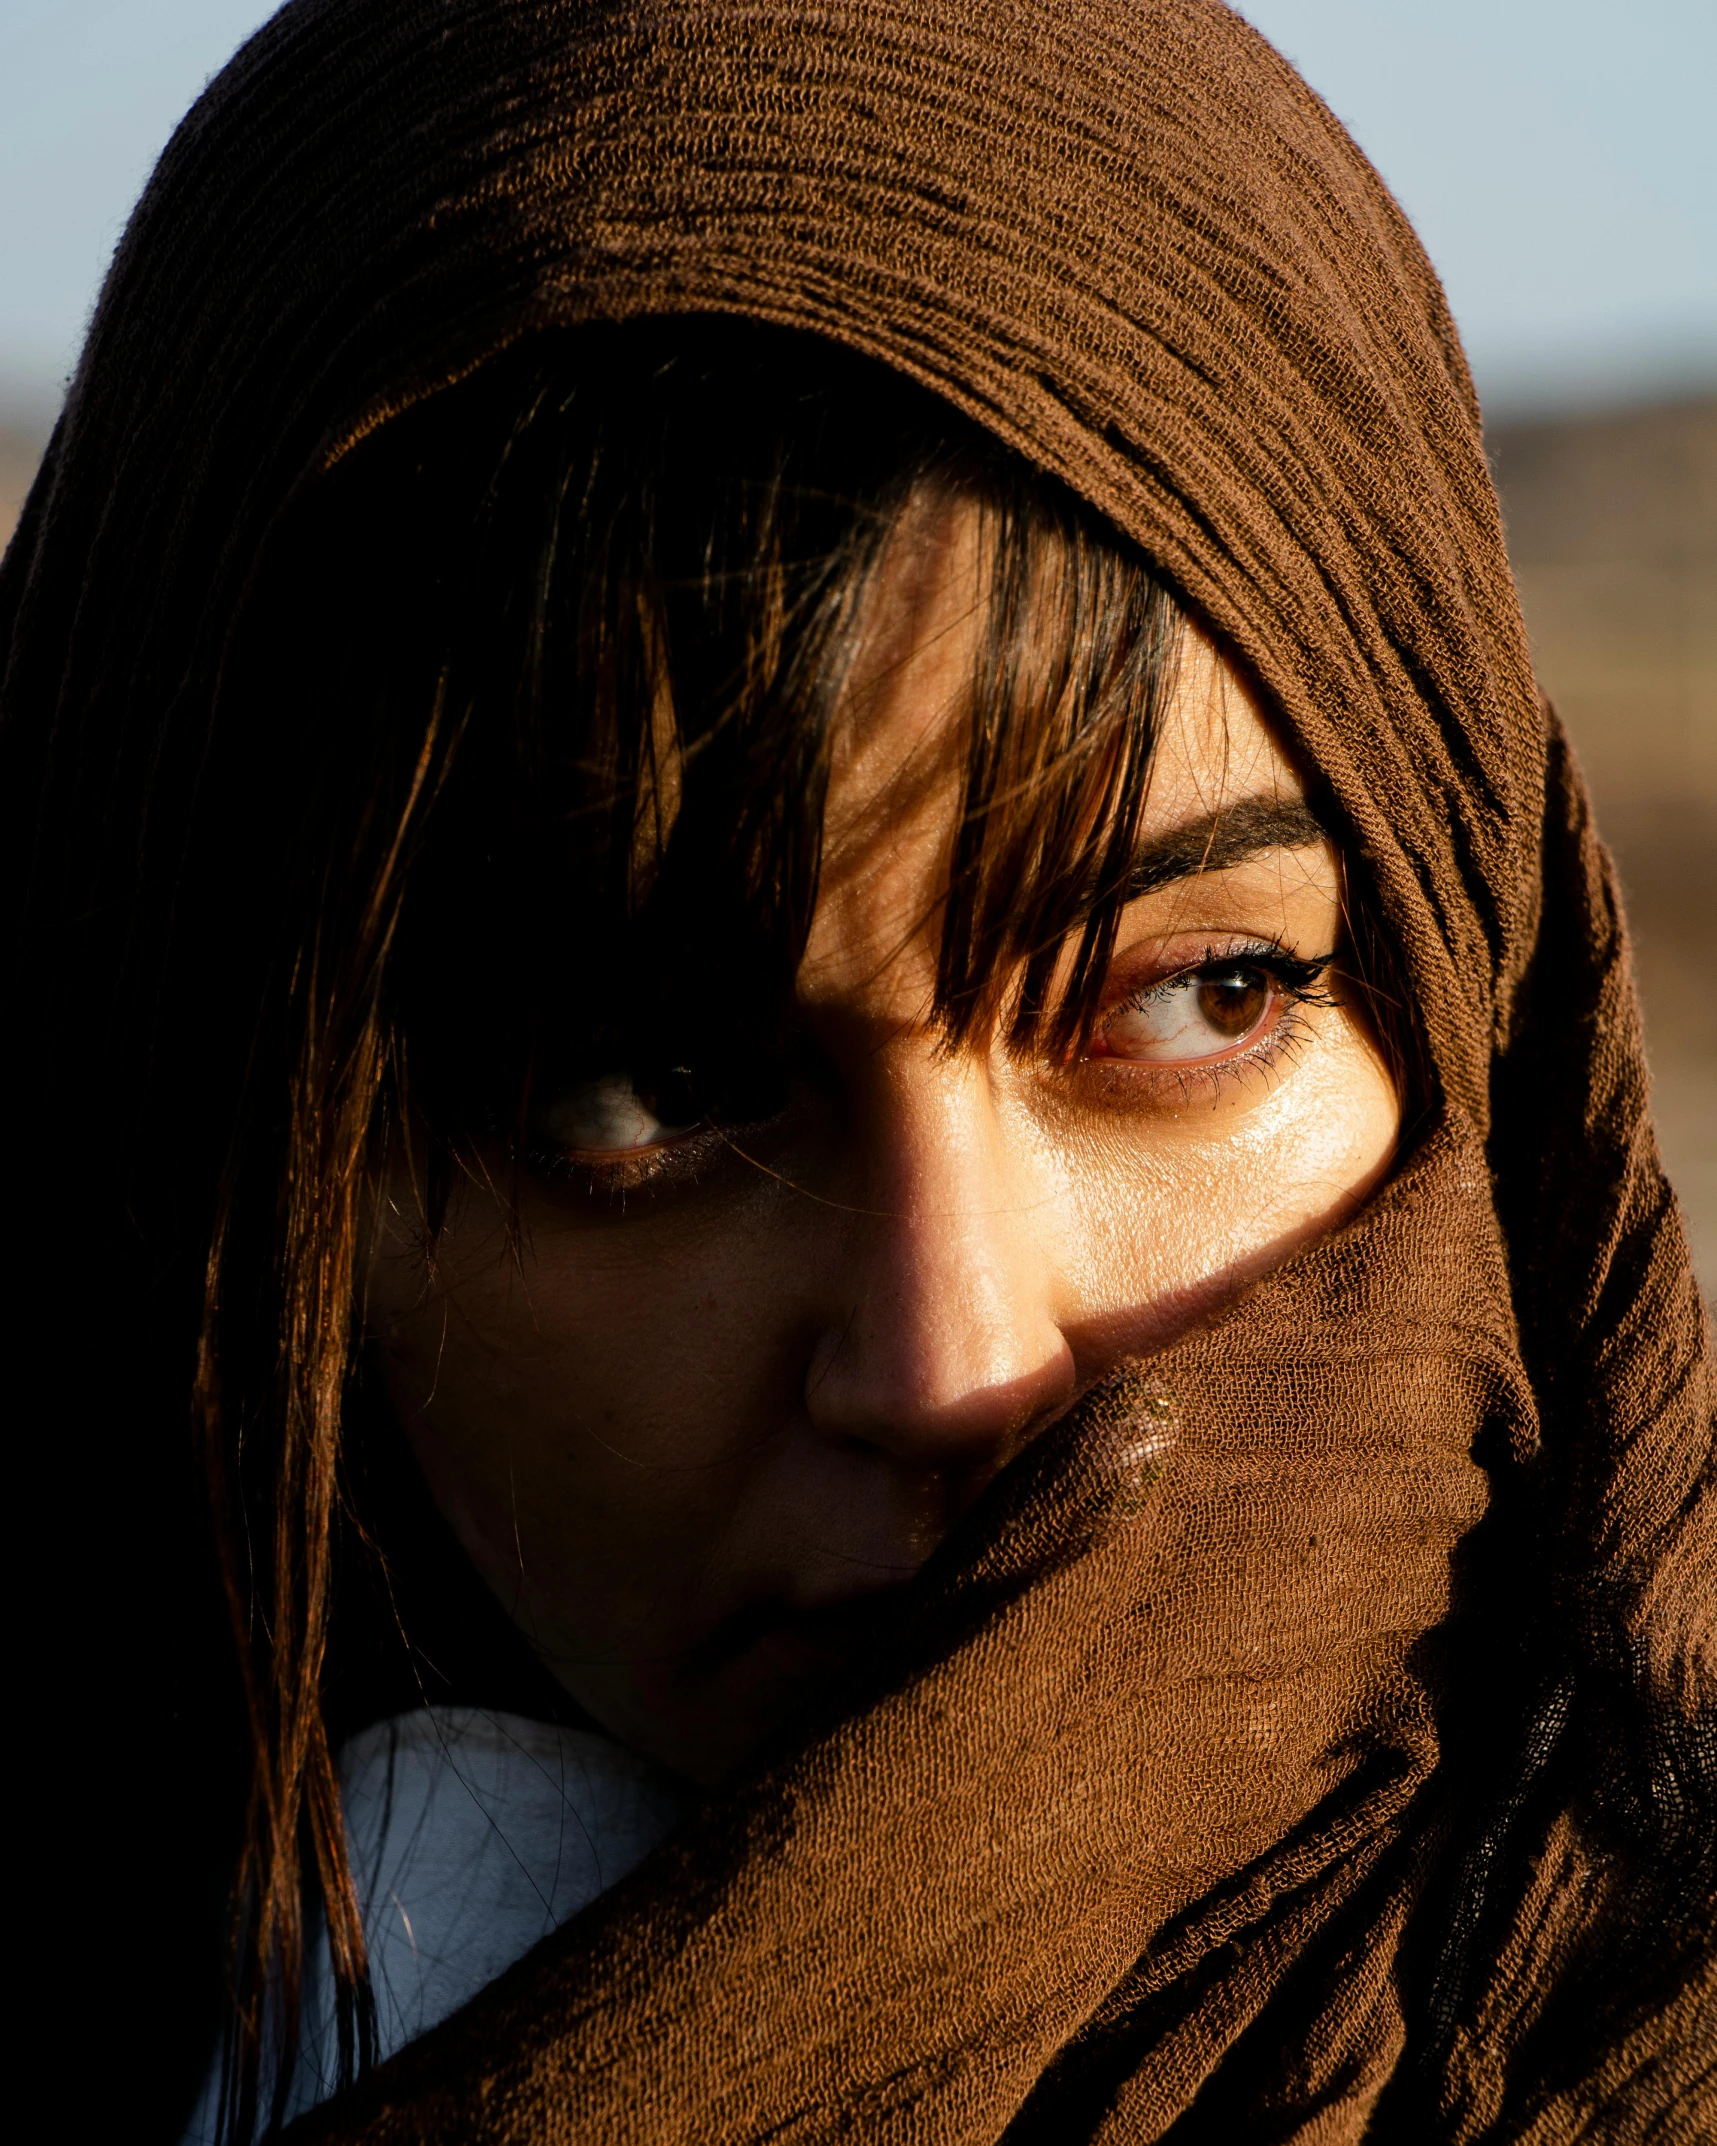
x=1313 y=1737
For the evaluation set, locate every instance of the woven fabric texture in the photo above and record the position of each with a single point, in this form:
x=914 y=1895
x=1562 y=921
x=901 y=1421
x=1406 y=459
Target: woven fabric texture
x=1313 y=1738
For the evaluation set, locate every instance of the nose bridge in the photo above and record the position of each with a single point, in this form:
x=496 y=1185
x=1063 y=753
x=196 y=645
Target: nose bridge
x=943 y=1347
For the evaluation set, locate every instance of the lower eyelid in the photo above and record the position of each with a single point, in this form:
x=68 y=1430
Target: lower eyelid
x=1176 y=1076
x=627 y=1169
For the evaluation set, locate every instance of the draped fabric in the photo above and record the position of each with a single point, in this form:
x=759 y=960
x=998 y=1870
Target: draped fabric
x=1146 y=1772
x=1316 y=1731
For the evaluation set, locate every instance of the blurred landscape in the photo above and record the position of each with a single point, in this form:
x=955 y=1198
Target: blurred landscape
x=1612 y=523
x=21 y=447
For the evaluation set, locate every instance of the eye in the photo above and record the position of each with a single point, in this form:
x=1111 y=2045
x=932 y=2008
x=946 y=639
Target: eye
x=608 y=1116
x=1200 y=1013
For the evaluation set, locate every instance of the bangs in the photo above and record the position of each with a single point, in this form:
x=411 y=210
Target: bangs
x=644 y=557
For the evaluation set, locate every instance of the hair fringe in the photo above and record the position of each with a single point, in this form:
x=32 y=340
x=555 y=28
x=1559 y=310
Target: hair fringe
x=577 y=654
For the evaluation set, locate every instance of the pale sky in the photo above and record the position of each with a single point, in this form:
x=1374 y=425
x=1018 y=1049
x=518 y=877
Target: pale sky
x=1558 y=157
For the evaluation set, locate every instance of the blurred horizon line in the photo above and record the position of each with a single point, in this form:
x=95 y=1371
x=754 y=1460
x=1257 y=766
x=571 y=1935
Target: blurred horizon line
x=1675 y=365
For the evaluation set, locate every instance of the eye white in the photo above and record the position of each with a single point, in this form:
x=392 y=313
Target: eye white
x=604 y=1115
x=1172 y=1023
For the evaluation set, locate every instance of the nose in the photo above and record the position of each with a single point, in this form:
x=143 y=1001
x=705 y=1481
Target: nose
x=940 y=1348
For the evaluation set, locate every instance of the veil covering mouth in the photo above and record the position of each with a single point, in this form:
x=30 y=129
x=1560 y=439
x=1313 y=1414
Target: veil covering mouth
x=1314 y=1737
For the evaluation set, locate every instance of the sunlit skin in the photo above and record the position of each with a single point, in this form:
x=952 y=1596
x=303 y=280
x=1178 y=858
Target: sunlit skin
x=686 y=1434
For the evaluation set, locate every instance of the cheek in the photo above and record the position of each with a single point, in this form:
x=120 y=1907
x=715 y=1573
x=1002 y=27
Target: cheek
x=589 y=1411
x=1165 y=1213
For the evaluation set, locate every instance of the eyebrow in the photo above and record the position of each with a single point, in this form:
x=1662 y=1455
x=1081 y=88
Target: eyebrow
x=1229 y=836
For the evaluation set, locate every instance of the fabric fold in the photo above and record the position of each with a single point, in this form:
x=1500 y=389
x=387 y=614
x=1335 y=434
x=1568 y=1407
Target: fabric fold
x=1325 y=1735
x=1148 y=1770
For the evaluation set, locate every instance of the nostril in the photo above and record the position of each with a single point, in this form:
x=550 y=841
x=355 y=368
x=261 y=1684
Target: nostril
x=930 y=1497
x=955 y=1442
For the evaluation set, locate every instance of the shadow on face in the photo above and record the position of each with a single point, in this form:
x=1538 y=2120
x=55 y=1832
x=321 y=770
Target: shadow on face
x=745 y=1376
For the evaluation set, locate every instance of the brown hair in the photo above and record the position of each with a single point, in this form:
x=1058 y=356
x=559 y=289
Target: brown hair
x=517 y=760
x=523 y=739
x=1130 y=243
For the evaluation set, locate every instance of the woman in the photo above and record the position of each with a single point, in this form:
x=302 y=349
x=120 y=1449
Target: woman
x=800 y=942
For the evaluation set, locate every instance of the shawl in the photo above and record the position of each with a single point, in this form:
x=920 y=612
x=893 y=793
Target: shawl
x=1313 y=1736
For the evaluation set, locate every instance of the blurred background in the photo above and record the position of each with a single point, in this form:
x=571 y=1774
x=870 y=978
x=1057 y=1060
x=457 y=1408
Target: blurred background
x=1558 y=159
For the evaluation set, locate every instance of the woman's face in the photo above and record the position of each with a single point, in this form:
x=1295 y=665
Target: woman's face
x=740 y=1382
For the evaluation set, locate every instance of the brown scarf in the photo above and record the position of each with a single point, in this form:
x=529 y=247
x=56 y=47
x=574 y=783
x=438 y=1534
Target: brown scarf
x=1317 y=1732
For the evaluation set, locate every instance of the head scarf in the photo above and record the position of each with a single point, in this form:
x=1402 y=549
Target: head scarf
x=1315 y=1731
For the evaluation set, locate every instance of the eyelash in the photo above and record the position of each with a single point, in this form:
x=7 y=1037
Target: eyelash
x=684 y=1160
x=679 y=1161
x=675 y=1161
x=1294 y=978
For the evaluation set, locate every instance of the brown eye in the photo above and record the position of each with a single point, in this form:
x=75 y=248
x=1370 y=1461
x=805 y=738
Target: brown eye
x=605 y=1116
x=1199 y=1014
x=1235 y=1002
x=628 y=1113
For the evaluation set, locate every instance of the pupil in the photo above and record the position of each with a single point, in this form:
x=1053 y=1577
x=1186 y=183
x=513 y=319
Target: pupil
x=1234 y=1004
x=668 y=1094
x=736 y=1093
